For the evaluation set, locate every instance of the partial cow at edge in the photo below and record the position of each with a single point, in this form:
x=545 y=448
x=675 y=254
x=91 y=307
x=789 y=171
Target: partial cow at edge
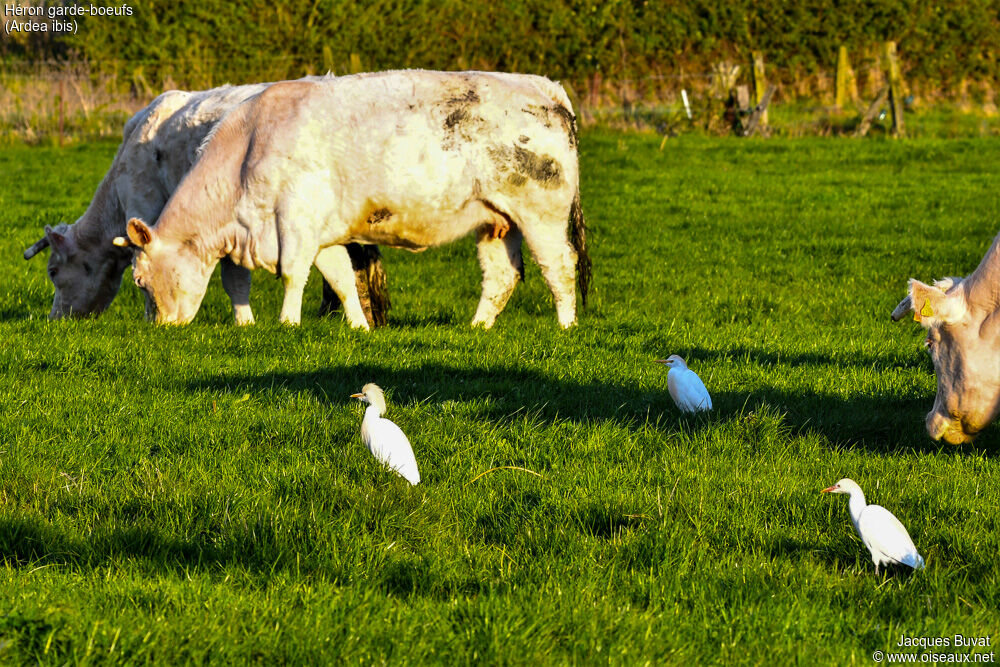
x=962 y=319
x=159 y=145
x=409 y=159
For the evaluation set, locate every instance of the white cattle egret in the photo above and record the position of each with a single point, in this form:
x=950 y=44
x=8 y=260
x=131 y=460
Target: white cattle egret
x=879 y=529
x=385 y=440
x=686 y=388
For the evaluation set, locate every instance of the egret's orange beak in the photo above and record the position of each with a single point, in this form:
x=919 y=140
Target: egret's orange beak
x=357 y=395
x=829 y=489
x=660 y=361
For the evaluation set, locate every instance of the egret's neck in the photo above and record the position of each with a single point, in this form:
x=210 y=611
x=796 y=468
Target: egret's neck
x=857 y=505
x=374 y=411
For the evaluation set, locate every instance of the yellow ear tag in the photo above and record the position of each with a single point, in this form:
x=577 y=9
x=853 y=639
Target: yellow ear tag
x=927 y=311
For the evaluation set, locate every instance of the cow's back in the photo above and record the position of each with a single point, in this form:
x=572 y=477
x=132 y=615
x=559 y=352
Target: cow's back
x=397 y=126
x=138 y=185
x=393 y=157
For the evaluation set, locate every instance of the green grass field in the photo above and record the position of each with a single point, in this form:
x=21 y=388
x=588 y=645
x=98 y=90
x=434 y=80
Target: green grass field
x=202 y=494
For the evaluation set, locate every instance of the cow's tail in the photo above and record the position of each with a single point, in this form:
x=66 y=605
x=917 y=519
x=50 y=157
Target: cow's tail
x=578 y=237
x=373 y=285
x=378 y=286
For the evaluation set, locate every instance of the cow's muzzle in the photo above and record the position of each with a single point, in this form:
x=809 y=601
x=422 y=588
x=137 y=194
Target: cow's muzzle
x=951 y=430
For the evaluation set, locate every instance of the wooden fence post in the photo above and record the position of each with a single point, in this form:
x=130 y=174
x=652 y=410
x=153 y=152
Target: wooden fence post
x=895 y=89
x=759 y=86
x=354 y=64
x=847 y=85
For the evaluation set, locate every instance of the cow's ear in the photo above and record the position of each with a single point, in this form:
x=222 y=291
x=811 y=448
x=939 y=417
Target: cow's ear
x=139 y=233
x=62 y=244
x=930 y=304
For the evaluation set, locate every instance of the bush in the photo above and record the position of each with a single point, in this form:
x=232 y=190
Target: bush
x=199 y=43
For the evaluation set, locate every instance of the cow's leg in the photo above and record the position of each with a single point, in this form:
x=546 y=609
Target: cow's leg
x=236 y=282
x=557 y=260
x=294 y=268
x=295 y=283
x=335 y=265
x=500 y=259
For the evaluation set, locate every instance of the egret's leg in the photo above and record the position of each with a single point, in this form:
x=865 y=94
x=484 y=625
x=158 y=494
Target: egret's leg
x=557 y=260
x=335 y=265
x=502 y=265
x=236 y=282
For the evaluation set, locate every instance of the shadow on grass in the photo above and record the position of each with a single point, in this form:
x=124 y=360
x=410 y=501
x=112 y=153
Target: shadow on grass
x=31 y=543
x=21 y=314
x=880 y=424
x=768 y=359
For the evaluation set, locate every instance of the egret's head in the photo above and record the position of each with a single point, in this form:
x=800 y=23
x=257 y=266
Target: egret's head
x=372 y=394
x=673 y=361
x=845 y=485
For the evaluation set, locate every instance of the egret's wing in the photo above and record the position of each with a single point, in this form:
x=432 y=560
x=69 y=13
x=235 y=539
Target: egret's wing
x=885 y=535
x=688 y=391
x=389 y=444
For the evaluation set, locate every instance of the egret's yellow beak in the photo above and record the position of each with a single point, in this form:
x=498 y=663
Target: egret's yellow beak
x=357 y=395
x=829 y=489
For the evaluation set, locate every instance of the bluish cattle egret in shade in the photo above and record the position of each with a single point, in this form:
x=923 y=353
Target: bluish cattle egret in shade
x=385 y=440
x=686 y=388
x=878 y=528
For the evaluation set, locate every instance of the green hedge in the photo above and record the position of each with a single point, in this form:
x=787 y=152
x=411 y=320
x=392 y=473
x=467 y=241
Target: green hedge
x=205 y=42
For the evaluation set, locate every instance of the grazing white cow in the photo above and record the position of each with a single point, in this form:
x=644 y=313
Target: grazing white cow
x=407 y=158
x=159 y=146
x=962 y=319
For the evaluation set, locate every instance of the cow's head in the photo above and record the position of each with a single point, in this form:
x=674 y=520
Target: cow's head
x=86 y=274
x=171 y=273
x=963 y=338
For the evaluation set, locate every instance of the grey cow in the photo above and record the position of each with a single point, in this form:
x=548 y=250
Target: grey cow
x=160 y=143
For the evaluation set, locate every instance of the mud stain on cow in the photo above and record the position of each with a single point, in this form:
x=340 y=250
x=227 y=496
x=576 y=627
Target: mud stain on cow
x=543 y=169
x=568 y=121
x=378 y=215
x=538 y=112
x=470 y=96
x=556 y=113
x=517 y=180
x=517 y=165
x=461 y=123
x=454 y=118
